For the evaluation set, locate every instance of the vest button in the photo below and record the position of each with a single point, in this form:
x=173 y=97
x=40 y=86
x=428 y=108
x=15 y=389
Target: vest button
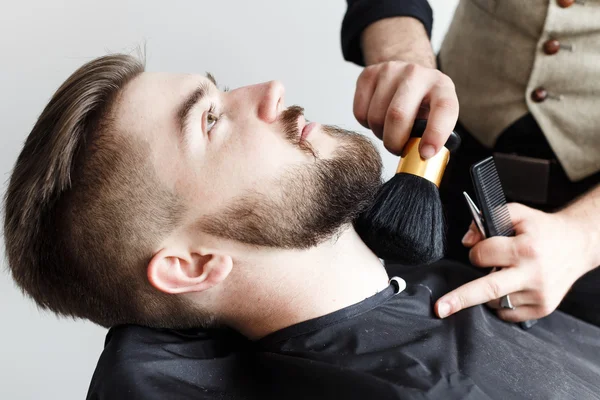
x=538 y=95
x=551 y=46
x=565 y=3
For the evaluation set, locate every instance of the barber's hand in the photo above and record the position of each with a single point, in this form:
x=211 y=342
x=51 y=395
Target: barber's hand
x=548 y=253
x=391 y=95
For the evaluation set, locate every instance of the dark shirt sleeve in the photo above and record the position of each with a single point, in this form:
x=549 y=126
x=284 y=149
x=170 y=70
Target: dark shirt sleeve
x=362 y=13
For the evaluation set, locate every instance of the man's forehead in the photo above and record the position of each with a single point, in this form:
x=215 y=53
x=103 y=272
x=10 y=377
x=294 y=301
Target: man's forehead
x=152 y=98
x=152 y=87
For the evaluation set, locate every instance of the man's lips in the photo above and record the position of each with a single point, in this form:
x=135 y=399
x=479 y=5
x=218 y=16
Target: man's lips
x=304 y=128
x=308 y=129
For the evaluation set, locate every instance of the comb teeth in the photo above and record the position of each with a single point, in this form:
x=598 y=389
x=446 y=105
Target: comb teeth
x=499 y=222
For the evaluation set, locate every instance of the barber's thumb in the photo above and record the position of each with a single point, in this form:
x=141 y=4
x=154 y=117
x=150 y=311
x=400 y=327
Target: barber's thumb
x=472 y=236
x=427 y=150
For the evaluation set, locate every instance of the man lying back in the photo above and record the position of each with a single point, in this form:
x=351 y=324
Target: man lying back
x=213 y=231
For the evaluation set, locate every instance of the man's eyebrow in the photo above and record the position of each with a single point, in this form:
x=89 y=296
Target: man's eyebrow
x=211 y=77
x=183 y=111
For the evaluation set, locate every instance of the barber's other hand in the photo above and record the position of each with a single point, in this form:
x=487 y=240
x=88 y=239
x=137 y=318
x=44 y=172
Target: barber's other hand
x=391 y=95
x=548 y=253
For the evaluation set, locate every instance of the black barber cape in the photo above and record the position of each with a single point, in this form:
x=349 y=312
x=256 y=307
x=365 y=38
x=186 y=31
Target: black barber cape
x=389 y=346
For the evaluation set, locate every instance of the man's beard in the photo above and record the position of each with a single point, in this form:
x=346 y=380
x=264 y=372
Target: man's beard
x=310 y=203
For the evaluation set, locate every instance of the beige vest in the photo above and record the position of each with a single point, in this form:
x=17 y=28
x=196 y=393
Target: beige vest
x=494 y=52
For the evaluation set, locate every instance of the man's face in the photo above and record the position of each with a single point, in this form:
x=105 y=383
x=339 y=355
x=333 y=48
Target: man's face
x=238 y=161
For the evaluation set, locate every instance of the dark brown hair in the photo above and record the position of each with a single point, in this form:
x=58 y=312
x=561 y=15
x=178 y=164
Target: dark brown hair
x=84 y=209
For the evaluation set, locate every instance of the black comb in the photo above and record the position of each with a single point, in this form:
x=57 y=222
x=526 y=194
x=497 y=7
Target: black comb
x=492 y=201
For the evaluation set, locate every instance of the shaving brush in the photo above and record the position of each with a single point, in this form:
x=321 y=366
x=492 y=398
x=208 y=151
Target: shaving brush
x=405 y=222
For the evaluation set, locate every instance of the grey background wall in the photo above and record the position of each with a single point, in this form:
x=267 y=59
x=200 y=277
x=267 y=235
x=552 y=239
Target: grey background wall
x=241 y=42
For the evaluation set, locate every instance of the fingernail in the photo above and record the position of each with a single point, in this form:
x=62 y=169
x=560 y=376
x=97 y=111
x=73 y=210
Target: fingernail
x=468 y=237
x=443 y=309
x=427 y=151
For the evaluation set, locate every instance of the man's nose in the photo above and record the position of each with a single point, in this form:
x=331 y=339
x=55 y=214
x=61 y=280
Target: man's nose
x=271 y=101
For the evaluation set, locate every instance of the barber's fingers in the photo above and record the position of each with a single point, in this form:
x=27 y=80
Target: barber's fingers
x=480 y=291
x=381 y=100
x=520 y=314
x=391 y=95
x=497 y=251
x=535 y=304
x=472 y=236
x=365 y=87
x=518 y=214
x=524 y=218
x=402 y=112
x=443 y=114
x=517 y=299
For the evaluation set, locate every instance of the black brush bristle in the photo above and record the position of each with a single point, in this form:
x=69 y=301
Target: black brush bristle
x=405 y=224
x=492 y=199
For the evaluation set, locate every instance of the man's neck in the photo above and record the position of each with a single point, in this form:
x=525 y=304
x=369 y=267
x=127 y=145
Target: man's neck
x=273 y=290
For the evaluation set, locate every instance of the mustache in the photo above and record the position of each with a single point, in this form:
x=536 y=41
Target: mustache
x=289 y=120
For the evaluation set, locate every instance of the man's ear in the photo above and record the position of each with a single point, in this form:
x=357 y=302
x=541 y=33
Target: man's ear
x=182 y=272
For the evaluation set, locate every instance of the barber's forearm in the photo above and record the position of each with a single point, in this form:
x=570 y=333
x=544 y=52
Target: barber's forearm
x=585 y=211
x=397 y=38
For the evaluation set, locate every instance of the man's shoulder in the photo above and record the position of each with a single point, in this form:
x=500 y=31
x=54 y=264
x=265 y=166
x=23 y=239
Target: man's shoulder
x=144 y=363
